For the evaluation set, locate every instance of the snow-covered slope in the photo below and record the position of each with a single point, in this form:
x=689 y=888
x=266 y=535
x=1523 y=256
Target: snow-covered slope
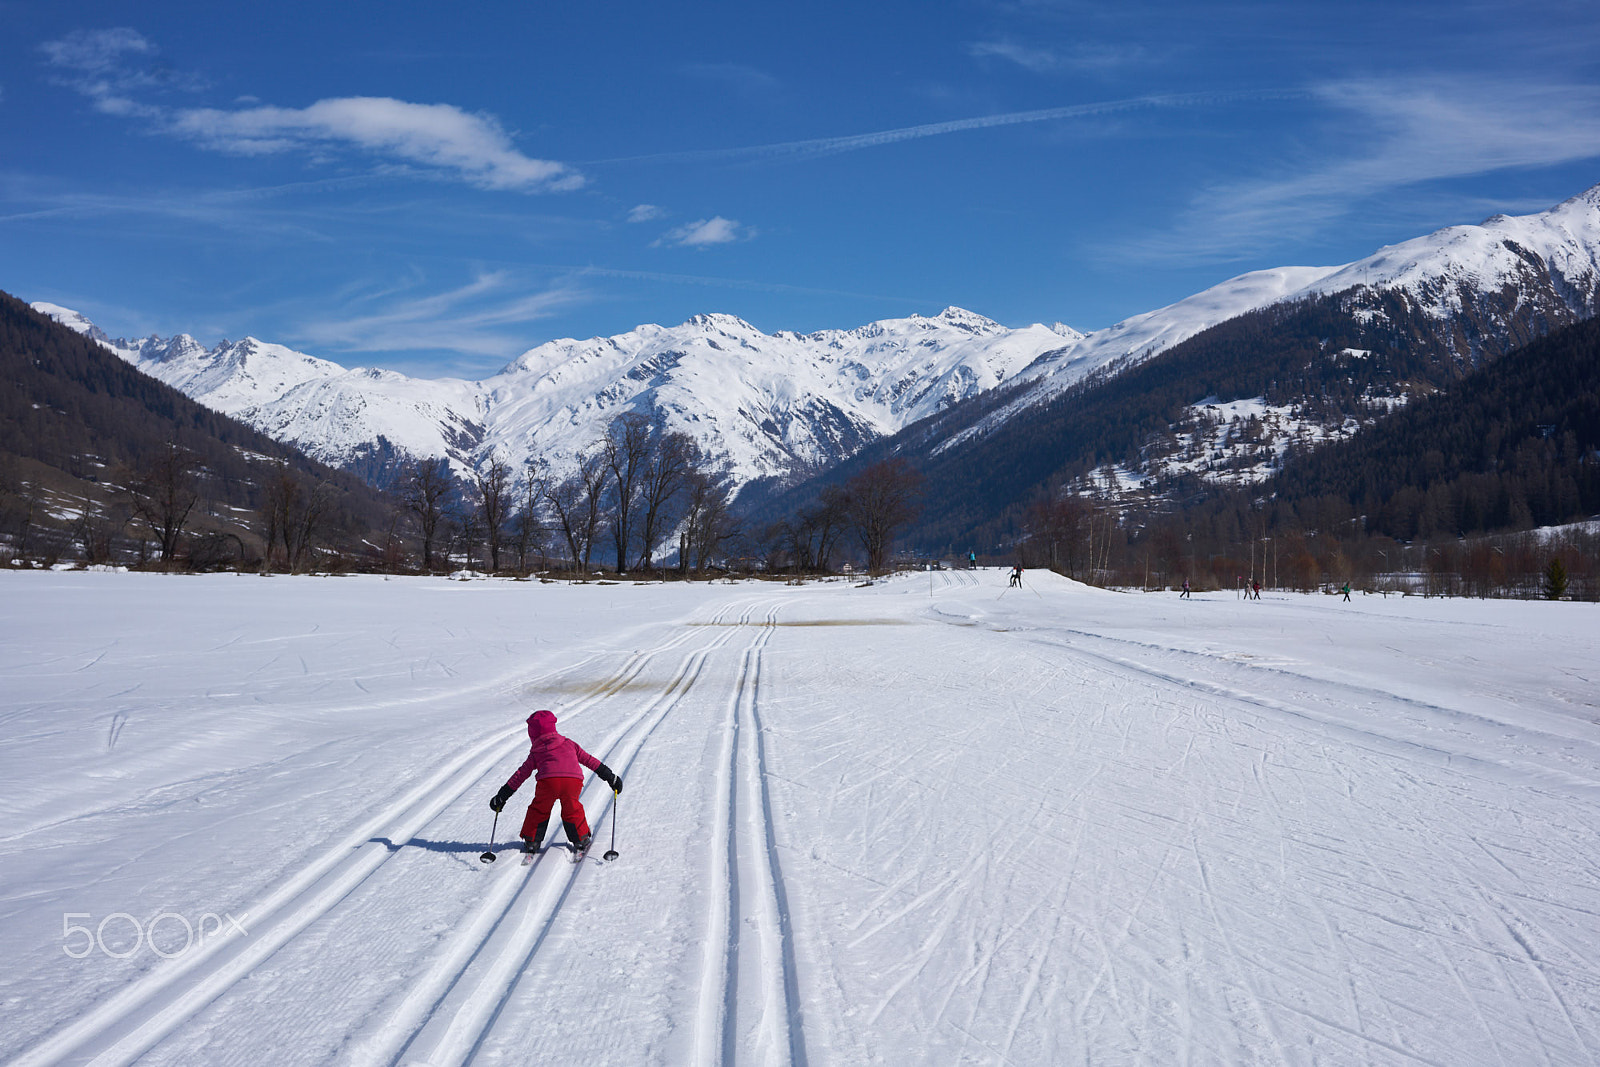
x=762 y=404
x=1516 y=276
x=1076 y=827
x=771 y=404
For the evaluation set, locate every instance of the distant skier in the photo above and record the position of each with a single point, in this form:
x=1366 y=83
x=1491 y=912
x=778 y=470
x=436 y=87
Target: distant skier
x=557 y=760
x=1185 y=594
x=1016 y=577
x=972 y=561
x=1346 y=592
x=1255 y=587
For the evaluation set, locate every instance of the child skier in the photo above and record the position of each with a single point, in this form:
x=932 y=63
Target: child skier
x=560 y=778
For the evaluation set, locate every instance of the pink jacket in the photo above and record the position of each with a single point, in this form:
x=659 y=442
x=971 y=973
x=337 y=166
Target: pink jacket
x=552 y=755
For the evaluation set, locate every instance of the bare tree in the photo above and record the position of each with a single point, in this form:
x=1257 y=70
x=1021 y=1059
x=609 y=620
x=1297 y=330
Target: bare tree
x=1059 y=528
x=493 y=483
x=426 y=490
x=163 y=494
x=98 y=528
x=626 y=448
x=576 y=504
x=707 y=522
x=527 y=525
x=295 y=514
x=667 y=470
x=883 y=500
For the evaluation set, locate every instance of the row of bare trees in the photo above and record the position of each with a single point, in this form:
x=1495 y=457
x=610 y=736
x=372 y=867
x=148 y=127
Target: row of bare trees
x=875 y=506
x=634 y=492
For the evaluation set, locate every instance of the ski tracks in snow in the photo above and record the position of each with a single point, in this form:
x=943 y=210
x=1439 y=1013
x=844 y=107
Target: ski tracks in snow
x=499 y=937
x=749 y=1004
x=444 y=1017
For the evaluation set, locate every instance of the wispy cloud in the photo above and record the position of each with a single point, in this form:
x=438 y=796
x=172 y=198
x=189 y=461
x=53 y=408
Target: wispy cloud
x=734 y=75
x=1081 y=58
x=1400 y=136
x=465 y=319
x=95 y=63
x=442 y=138
x=645 y=213
x=703 y=233
x=821 y=146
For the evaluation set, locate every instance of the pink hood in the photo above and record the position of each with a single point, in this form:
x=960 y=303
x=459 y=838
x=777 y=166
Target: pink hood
x=541 y=723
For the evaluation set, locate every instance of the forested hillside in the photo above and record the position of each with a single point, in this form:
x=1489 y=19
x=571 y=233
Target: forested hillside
x=1516 y=444
x=87 y=443
x=1352 y=356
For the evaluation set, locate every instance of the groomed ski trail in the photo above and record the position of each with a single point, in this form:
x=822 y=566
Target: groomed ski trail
x=749 y=1009
x=444 y=1017
x=129 y=1024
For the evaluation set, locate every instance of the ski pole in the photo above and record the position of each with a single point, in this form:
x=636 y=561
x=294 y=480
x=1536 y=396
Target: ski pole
x=610 y=853
x=489 y=857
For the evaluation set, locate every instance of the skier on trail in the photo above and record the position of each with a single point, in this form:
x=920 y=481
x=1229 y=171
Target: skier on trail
x=1346 y=591
x=1016 y=577
x=1185 y=592
x=557 y=760
x=972 y=561
x=1255 y=585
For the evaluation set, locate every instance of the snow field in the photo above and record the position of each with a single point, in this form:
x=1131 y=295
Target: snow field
x=934 y=820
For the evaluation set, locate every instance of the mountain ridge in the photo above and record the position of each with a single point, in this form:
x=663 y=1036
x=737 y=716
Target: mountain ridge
x=777 y=407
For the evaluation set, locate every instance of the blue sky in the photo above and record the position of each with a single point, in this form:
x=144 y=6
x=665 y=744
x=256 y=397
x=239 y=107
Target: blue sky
x=437 y=190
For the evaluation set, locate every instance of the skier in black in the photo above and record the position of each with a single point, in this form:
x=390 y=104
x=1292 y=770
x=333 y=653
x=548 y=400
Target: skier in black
x=1185 y=592
x=1016 y=577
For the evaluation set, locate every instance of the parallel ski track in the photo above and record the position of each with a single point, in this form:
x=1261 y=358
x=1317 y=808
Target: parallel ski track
x=446 y=1016
x=125 y=1026
x=1501 y=765
x=749 y=1002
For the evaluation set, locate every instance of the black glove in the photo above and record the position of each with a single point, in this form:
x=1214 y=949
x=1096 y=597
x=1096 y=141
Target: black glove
x=500 y=798
x=608 y=776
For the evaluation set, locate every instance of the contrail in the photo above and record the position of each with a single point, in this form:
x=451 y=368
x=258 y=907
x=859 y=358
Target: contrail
x=830 y=145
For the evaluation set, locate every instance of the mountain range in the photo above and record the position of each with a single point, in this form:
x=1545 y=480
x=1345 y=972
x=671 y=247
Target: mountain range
x=1309 y=353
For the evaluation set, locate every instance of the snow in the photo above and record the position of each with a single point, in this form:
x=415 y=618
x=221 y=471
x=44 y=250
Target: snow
x=1496 y=257
x=930 y=820
x=760 y=404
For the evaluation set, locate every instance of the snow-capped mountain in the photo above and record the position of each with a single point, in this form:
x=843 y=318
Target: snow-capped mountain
x=1488 y=287
x=778 y=404
x=761 y=404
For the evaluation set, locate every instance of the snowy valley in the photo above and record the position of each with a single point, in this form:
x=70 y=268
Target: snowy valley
x=929 y=820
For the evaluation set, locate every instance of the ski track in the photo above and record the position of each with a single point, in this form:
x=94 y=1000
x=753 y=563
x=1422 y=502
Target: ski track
x=452 y=1029
x=127 y=1025
x=749 y=1004
x=1231 y=874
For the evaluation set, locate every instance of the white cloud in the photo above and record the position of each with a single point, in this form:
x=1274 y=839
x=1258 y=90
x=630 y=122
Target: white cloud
x=1037 y=60
x=645 y=213
x=95 y=51
x=822 y=146
x=94 y=64
x=1402 y=135
x=432 y=135
x=703 y=233
x=472 y=147
x=735 y=75
x=1083 y=58
x=466 y=319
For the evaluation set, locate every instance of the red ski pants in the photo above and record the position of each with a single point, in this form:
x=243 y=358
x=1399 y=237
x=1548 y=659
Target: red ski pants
x=545 y=794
